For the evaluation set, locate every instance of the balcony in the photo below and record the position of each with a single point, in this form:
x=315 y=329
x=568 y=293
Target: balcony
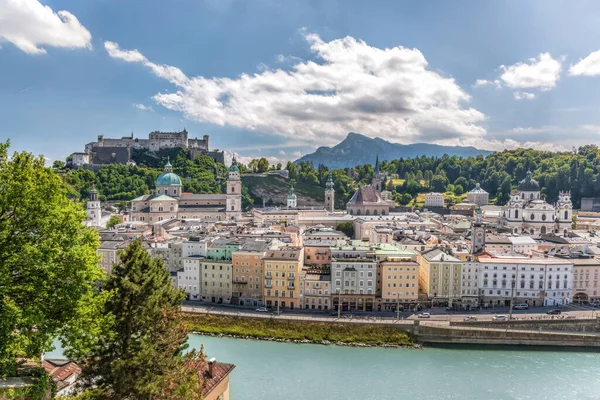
x=268 y=285
x=291 y=286
x=291 y=278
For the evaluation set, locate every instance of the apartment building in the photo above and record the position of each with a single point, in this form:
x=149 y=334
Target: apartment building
x=440 y=276
x=282 y=269
x=247 y=264
x=399 y=282
x=315 y=288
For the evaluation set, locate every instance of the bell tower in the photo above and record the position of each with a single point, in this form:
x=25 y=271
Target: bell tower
x=477 y=234
x=94 y=212
x=234 y=192
x=329 y=194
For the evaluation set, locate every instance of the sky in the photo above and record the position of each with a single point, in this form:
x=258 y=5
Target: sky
x=279 y=78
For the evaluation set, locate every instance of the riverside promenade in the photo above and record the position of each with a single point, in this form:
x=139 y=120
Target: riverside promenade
x=446 y=330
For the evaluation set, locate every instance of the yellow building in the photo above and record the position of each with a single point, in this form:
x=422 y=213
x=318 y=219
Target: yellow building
x=399 y=282
x=282 y=269
x=440 y=276
x=315 y=288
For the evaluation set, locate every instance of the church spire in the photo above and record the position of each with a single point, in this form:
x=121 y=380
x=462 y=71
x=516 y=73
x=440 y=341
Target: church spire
x=377 y=164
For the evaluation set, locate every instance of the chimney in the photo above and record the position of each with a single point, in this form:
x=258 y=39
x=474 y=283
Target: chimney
x=211 y=366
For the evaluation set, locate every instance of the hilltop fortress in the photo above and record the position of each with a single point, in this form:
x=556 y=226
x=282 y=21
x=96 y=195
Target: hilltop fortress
x=118 y=151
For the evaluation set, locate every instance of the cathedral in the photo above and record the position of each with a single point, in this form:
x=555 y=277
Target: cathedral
x=372 y=199
x=170 y=201
x=527 y=213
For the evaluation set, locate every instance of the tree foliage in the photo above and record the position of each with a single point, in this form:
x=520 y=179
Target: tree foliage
x=113 y=221
x=48 y=262
x=347 y=228
x=143 y=356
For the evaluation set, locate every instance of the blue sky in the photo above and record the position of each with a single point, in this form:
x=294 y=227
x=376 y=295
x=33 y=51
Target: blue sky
x=278 y=78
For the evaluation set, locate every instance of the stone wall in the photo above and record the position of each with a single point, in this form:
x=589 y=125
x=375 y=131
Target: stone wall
x=556 y=325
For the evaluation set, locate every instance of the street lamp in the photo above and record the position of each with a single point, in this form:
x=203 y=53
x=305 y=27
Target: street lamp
x=512 y=290
x=339 y=293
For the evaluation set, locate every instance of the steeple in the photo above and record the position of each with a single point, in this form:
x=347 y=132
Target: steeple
x=377 y=164
x=168 y=166
x=292 y=199
x=329 y=184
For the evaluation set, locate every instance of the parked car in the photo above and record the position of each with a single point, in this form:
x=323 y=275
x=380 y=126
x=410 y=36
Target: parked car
x=424 y=315
x=522 y=306
x=554 y=312
x=470 y=318
x=500 y=318
x=262 y=309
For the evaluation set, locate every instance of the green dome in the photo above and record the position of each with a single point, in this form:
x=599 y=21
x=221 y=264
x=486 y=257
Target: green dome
x=234 y=167
x=168 y=179
x=528 y=184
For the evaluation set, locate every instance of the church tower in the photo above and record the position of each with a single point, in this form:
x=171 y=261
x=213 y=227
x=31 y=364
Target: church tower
x=477 y=234
x=377 y=177
x=291 y=199
x=234 y=192
x=93 y=208
x=329 y=194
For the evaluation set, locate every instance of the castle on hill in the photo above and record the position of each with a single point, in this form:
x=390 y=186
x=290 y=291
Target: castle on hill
x=118 y=151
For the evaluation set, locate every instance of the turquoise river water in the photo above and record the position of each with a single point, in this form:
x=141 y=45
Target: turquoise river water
x=269 y=371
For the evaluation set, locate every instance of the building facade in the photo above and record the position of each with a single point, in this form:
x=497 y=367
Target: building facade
x=527 y=213
x=434 y=199
x=282 y=269
x=315 y=288
x=478 y=196
x=248 y=273
x=170 y=202
x=440 y=276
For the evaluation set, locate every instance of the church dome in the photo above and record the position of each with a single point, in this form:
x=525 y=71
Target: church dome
x=528 y=184
x=168 y=179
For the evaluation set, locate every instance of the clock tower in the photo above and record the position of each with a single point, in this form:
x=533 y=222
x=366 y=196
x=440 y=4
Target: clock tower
x=478 y=234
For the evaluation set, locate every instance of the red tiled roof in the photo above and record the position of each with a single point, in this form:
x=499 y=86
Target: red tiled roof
x=60 y=370
x=366 y=195
x=220 y=372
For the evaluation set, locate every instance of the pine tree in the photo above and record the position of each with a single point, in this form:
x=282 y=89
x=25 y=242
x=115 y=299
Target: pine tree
x=143 y=357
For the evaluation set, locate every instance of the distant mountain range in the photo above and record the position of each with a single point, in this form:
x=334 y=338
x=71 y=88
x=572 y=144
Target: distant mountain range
x=359 y=149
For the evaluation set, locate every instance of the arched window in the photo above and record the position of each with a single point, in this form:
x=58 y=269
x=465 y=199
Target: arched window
x=543 y=217
x=531 y=196
x=516 y=213
x=368 y=212
x=532 y=217
x=566 y=215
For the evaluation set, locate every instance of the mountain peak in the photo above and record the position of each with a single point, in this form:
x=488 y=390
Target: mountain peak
x=357 y=149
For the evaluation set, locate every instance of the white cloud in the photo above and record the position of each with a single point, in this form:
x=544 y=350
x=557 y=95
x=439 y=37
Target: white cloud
x=542 y=72
x=143 y=107
x=281 y=152
x=389 y=93
x=31 y=26
x=508 y=144
x=228 y=155
x=484 y=82
x=531 y=129
x=589 y=66
x=524 y=95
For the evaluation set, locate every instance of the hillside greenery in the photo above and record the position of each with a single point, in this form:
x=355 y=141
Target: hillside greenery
x=498 y=173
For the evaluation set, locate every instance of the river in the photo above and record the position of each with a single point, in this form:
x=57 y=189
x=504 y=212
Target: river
x=274 y=371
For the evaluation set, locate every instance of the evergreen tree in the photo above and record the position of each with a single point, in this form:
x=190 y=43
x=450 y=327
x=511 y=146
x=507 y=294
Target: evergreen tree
x=143 y=356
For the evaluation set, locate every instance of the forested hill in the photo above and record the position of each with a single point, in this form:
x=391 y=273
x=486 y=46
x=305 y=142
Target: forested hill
x=498 y=173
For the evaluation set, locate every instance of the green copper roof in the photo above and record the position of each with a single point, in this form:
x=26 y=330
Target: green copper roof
x=234 y=167
x=528 y=184
x=168 y=179
x=163 y=197
x=329 y=184
x=291 y=194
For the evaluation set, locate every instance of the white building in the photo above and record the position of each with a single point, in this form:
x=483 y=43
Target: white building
x=79 y=159
x=527 y=213
x=94 y=212
x=478 y=196
x=469 y=284
x=538 y=281
x=434 y=199
x=354 y=276
x=189 y=277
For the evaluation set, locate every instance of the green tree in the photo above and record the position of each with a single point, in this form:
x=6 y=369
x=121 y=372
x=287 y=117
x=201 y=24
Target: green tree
x=113 y=221
x=347 y=228
x=58 y=164
x=438 y=183
x=143 y=356
x=458 y=190
x=262 y=165
x=48 y=262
